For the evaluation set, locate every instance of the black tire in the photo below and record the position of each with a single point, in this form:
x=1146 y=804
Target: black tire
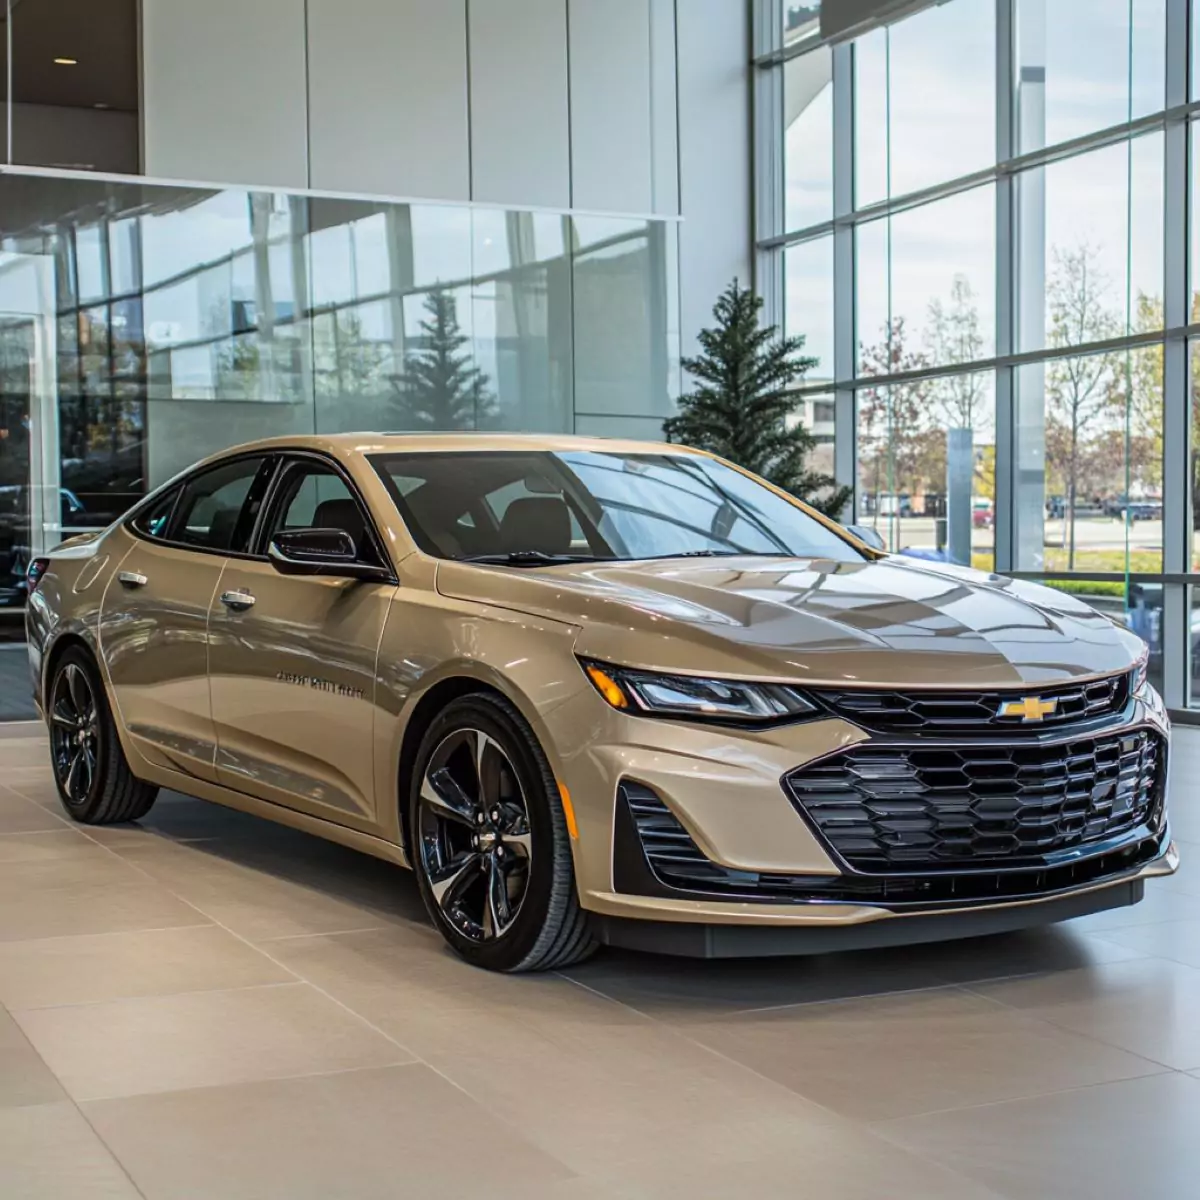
x=92 y=775
x=548 y=929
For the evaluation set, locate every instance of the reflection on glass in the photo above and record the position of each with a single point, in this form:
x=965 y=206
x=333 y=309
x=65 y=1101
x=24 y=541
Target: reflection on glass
x=520 y=302
x=816 y=414
x=1144 y=615
x=927 y=467
x=808 y=310
x=1192 y=518
x=1193 y=646
x=17 y=348
x=1077 y=76
x=1195 y=73
x=925 y=285
x=925 y=103
x=1089 y=463
x=188 y=320
x=808 y=139
x=1136 y=605
x=622 y=307
x=1090 y=246
x=801 y=21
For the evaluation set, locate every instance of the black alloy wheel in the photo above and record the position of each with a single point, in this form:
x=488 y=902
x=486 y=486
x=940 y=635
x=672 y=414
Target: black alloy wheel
x=74 y=734
x=489 y=842
x=91 y=772
x=475 y=843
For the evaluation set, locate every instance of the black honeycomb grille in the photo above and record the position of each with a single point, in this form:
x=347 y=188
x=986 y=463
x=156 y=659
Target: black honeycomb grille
x=678 y=867
x=955 y=712
x=885 y=808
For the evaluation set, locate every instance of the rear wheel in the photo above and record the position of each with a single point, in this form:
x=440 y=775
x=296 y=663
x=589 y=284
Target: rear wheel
x=490 y=844
x=93 y=777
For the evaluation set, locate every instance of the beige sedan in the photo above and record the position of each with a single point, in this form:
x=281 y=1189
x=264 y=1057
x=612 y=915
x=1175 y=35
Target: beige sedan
x=601 y=692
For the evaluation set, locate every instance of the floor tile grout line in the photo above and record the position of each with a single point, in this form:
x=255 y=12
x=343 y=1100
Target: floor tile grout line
x=1091 y=1037
x=865 y=996
x=114 y=1000
x=293 y=937
x=60 y=937
x=117 y=1097
x=28 y=833
x=883 y=1122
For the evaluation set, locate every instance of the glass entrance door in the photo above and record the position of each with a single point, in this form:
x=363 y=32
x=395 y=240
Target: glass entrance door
x=31 y=517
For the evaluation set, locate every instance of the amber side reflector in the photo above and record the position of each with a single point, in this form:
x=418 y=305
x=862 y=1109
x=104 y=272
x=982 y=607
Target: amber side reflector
x=569 y=812
x=607 y=686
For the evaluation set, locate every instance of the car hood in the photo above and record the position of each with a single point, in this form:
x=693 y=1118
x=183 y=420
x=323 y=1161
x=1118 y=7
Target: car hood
x=892 y=622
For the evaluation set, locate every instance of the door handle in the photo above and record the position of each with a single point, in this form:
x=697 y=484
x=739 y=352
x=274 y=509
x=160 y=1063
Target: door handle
x=132 y=579
x=238 y=601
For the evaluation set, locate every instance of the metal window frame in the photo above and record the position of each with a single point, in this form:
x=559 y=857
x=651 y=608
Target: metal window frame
x=1180 y=115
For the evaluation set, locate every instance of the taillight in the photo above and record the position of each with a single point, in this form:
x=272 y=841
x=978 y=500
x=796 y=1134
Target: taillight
x=37 y=568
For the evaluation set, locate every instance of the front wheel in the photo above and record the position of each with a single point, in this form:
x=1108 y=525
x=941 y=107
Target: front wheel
x=489 y=841
x=93 y=778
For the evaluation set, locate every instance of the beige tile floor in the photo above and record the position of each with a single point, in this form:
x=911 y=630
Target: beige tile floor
x=206 y=1005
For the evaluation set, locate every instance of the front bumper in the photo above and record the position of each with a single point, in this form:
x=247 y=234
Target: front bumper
x=725 y=788
x=695 y=934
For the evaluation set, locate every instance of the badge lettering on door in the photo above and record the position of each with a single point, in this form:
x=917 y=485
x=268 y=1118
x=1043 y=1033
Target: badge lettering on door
x=321 y=685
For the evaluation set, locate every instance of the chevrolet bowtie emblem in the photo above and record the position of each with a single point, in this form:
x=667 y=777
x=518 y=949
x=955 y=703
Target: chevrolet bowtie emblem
x=1028 y=708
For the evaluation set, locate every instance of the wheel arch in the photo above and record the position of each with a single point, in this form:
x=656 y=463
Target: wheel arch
x=61 y=644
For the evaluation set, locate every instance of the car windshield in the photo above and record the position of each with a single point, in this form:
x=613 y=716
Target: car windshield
x=533 y=508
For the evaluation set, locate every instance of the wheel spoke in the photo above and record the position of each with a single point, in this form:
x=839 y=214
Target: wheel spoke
x=488 y=757
x=449 y=881
x=89 y=762
x=442 y=793
x=77 y=689
x=72 y=771
x=499 y=913
x=60 y=718
x=522 y=843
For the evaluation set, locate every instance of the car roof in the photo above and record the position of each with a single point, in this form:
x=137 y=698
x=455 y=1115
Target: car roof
x=369 y=442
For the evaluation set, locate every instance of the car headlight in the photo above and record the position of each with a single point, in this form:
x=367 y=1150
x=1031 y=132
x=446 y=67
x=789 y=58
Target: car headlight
x=649 y=694
x=1140 y=669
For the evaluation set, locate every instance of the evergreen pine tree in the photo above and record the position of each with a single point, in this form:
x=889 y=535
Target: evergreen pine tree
x=440 y=387
x=740 y=407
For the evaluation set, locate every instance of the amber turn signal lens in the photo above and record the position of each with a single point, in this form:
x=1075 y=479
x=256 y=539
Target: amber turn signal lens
x=607 y=687
x=568 y=811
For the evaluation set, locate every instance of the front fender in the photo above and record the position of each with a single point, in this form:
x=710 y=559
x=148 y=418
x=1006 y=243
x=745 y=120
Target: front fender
x=429 y=639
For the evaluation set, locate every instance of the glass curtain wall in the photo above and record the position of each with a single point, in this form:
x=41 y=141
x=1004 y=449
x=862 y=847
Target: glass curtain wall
x=143 y=327
x=979 y=216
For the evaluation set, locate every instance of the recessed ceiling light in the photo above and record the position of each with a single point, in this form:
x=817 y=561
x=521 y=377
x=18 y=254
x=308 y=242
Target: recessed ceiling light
x=99 y=104
x=67 y=62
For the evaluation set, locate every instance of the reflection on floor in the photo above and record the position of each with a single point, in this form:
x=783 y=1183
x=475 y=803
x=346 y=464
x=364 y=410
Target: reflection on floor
x=206 y=1005
x=16 y=697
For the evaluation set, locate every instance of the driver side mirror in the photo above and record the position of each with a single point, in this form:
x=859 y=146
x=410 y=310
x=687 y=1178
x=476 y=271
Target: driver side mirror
x=869 y=536
x=319 y=552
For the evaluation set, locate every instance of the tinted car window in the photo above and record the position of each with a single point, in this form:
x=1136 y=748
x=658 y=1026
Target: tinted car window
x=152 y=521
x=618 y=506
x=216 y=508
